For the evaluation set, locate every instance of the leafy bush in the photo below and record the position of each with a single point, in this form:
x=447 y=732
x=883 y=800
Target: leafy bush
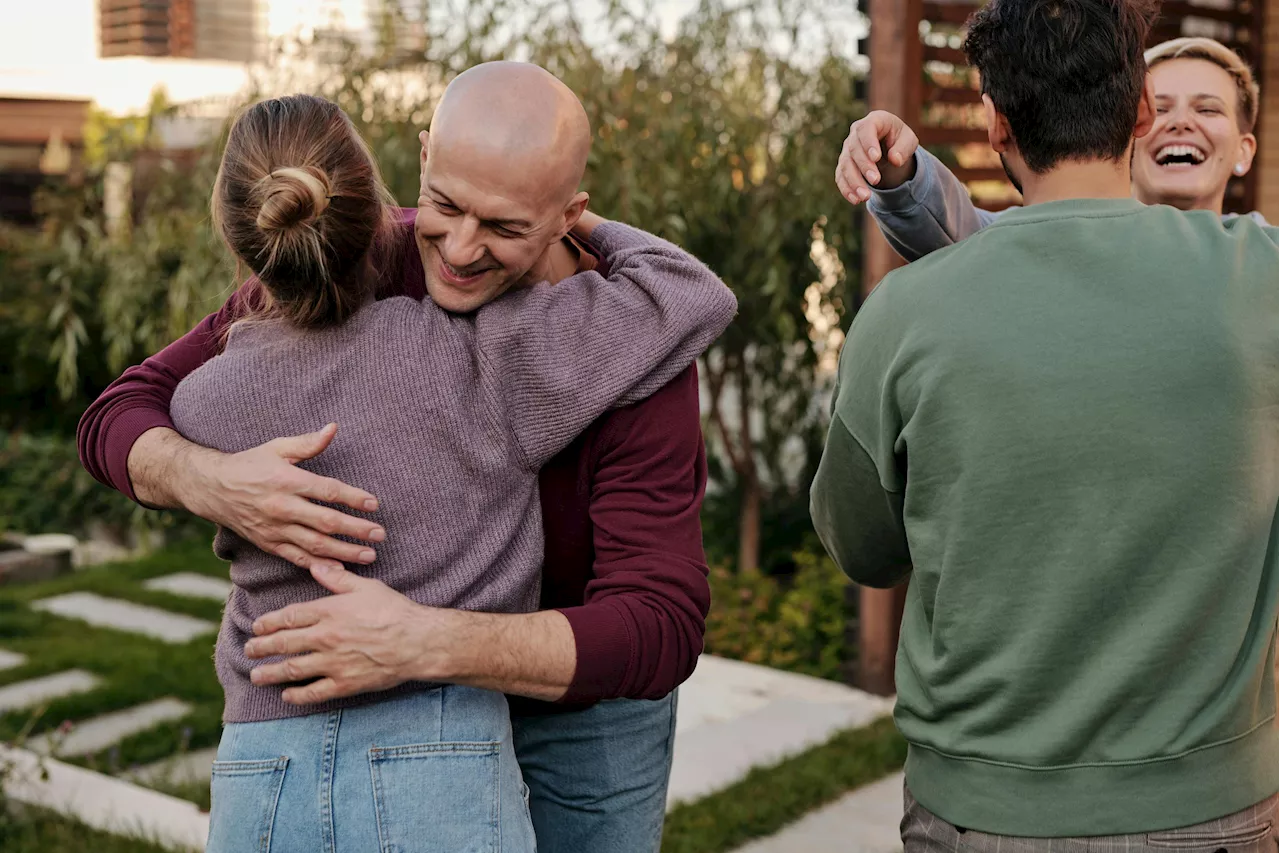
x=796 y=623
x=43 y=489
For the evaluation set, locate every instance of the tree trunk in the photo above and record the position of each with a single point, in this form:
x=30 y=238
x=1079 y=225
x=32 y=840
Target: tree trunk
x=749 y=526
x=748 y=479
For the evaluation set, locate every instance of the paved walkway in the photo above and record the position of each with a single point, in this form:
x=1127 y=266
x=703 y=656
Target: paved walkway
x=862 y=821
x=734 y=716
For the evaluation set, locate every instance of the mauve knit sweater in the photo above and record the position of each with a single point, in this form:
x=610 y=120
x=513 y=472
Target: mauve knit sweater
x=447 y=418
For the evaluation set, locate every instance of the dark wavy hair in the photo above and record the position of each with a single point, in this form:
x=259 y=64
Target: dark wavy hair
x=1067 y=74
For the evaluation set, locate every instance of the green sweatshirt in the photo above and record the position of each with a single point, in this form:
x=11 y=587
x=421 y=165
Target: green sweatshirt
x=1066 y=425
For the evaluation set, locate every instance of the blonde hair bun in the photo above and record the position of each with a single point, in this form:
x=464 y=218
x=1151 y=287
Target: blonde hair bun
x=292 y=196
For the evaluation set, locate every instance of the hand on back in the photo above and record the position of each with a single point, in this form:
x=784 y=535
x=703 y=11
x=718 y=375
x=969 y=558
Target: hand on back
x=879 y=152
x=264 y=497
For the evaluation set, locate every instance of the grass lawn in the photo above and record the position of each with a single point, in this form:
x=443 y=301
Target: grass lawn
x=133 y=668
x=769 y=798
x=40 y=831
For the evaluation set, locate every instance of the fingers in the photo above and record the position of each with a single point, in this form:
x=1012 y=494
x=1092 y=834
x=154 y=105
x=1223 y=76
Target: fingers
x=326 y=520
x=299 y=557
x=296 y=448
x=289 y=671
x=294 y=641
x=318 y=546
x=904 y=146
x=870 y=132
x=290 y=618
x=333 y=491
x=317 y=691
x=339 y=581
x=850 y=174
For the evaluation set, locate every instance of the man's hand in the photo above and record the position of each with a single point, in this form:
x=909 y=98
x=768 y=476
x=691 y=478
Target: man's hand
x=367 y=637
x=260 y=494
x=880 y=152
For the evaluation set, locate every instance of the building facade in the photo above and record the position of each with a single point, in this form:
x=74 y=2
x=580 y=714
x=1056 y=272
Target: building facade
x=226 y=30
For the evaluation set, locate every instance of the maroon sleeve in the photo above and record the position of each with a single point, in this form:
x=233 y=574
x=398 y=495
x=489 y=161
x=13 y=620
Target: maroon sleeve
x=639 y=632
x=139 y=399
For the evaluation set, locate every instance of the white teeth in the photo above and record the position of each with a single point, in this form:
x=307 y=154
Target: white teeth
x=1180 y=151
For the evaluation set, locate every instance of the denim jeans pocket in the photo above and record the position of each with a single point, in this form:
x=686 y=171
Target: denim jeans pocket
x=437 y=797
x=243 y=811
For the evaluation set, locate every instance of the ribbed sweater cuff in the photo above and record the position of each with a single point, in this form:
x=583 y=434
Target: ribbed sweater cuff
x=122 y=433
x=604 y=644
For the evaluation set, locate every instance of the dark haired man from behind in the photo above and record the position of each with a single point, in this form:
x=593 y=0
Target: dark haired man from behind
x=1065 y=428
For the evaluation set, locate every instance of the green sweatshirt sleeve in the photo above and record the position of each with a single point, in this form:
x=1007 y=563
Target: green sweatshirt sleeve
x=858 y=520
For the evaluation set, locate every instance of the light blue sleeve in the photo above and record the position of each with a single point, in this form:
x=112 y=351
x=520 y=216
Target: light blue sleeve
x=929 y=212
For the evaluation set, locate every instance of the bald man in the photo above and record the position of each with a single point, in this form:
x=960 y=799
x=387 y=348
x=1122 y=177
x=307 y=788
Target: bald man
x=592 y=676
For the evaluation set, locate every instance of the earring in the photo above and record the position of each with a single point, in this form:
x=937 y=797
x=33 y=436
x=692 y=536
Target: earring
x=1239 y=169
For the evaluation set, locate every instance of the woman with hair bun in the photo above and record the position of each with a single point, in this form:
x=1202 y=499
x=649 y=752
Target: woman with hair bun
x=447 y=419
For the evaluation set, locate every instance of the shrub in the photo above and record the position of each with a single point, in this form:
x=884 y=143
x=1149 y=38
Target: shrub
x=796 y=623
x=43 y=489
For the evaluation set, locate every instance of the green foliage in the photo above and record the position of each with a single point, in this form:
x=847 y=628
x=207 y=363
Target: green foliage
x=795 y=623
x=44 y=489
x=769 y=798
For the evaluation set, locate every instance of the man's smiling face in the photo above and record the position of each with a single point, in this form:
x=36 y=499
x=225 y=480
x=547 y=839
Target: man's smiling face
x=482 y=227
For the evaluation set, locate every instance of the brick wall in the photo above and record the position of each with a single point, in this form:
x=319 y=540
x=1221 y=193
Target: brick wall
x=1269 y=122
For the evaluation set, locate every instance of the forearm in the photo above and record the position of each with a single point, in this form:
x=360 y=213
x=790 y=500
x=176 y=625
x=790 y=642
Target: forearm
x=526 y=654
x=929 y=211
x=161 y=466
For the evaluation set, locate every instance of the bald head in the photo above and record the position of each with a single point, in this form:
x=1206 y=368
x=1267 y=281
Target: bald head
x=518 y=123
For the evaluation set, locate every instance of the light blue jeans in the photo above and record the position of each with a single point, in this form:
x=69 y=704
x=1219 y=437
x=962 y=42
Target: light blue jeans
x=429 y=772
x=598 y=778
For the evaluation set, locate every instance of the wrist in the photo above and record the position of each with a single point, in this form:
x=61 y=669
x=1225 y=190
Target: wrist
x=193 y=478
x=441 y=644
x=892 y=177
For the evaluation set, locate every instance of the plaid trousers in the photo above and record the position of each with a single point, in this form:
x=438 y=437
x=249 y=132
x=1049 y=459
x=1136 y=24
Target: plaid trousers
x=1252 y=830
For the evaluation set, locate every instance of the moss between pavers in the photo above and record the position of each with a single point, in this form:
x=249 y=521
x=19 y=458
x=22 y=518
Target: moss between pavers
x=770 y=798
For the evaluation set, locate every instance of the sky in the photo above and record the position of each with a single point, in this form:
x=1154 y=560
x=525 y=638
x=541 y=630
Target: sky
x=48 y=48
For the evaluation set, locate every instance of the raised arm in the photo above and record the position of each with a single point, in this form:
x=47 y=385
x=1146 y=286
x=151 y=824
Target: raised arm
x=557 y=357
x=918 y=203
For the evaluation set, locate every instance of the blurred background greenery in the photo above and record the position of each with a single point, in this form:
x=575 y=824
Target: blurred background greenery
x=722 y=138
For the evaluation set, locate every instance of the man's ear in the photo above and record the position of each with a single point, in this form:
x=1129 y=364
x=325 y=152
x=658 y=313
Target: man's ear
x=1146 y=110
x=573 y=212
x=424 y=138
x=998 y=132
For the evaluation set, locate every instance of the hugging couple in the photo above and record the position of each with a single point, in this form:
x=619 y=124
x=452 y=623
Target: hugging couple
x=511 y=395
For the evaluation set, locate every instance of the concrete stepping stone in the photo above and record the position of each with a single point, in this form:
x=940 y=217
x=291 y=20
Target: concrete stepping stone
x=121 y=615
x=8 y=659
x=104 y=802
x=106 y=730
x=26 y=694
x=192 y=585
x=865 y=820
x=194 y=766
